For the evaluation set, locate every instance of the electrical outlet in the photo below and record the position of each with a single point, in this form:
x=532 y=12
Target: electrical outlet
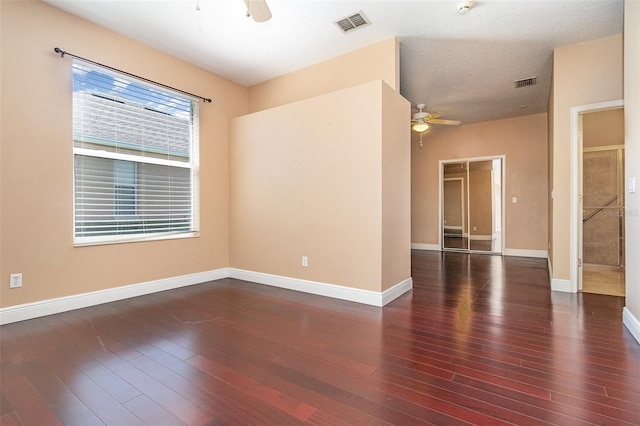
x=305 y=261
x=15 y=280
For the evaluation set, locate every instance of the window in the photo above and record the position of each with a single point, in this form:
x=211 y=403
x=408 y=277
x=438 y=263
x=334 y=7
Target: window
x=135 y=159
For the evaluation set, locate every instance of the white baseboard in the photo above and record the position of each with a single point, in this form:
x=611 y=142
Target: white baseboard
x=396 y=291
x=366 y=297
x=63 y=304
x=632 y=323
x=420 y=246
x=561 y=285
x=542 y=254
x=77 y=301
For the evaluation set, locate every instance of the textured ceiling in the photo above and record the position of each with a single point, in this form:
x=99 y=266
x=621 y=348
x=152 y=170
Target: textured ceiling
x=461 y=65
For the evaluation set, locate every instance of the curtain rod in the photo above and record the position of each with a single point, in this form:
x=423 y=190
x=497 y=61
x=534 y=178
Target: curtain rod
x=62 y=53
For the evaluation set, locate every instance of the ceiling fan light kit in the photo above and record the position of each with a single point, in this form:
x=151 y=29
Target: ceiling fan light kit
x=420 y=126
x=421 y=121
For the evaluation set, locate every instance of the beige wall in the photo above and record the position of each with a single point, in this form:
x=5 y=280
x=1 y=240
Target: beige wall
x=308 y=179
x=396 y=188
x=36 y=165
x=603 y=128
x=522 y=140
x=632 y=147
x=380 y=61
x=584 y=73
x=325 y=84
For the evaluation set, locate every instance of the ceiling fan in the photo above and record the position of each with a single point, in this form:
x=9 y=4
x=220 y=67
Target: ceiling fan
x=258 y=10
x=422 y=121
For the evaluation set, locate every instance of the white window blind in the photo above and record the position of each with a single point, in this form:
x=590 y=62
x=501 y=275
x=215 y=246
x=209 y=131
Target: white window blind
x=135 y=158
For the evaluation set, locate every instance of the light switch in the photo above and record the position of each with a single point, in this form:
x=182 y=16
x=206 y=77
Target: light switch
x=514 y=200
x=632 y=184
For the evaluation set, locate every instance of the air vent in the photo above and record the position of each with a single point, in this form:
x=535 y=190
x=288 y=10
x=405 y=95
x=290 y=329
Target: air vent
x=532 y=81
x=352 y=22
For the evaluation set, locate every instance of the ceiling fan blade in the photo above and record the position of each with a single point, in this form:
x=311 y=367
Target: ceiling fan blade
x=434 y=115
x=447 y=122
x=258 y=10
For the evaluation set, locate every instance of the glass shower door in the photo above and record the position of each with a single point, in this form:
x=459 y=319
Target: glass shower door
x=603 y=208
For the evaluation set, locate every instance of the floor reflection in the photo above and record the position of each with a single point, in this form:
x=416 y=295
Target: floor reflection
x=602 y=279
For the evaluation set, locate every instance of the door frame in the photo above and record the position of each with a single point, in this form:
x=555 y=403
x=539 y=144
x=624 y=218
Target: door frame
x=575 y=210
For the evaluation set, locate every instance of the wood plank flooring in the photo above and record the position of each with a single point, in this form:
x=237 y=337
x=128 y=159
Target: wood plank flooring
x=480 y=340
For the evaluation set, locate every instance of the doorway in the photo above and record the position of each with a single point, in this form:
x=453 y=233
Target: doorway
x=471 y=205
x=603 y=199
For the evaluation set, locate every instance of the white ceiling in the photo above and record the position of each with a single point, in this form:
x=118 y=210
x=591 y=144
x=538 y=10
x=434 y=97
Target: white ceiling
x=461 y=65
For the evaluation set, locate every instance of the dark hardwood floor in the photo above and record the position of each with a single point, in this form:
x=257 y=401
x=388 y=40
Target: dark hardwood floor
x=480 y=340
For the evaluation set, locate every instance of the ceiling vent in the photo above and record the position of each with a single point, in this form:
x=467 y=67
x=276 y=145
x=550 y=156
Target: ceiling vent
x=352 y=22
x=532 y=81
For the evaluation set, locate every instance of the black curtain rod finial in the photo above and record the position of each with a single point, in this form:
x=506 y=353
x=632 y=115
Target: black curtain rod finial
x=60 y=51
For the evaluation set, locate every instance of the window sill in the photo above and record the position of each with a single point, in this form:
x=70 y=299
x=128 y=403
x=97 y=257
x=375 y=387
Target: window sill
x=95 y=241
